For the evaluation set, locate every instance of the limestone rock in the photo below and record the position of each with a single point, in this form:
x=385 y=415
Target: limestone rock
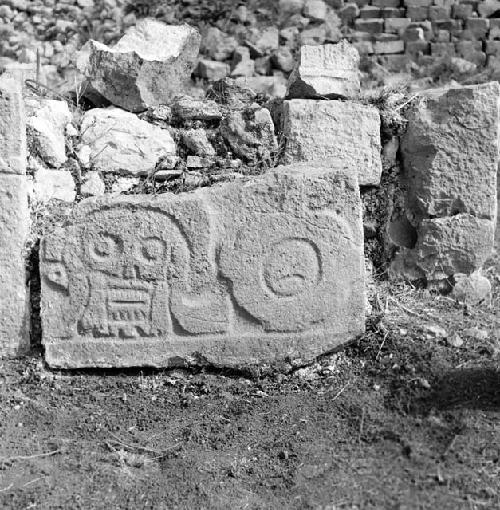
x=12 y=127
x=334 y=131
x=273 y=86
x=250 y=133
x=471 y=289
x=447 y=246
x=262 y=42
x=14 y=221
x=450 y=152
x=212 y=70
x=92 y=185
x=122 y=143
x=315 y=10
x=54 y=185
x=241 y=274
x=329 y=71
x=189 y=108
x=218 y=45
x=196 y=140
x=46 y=124
x=14 y=303
x=146 y=67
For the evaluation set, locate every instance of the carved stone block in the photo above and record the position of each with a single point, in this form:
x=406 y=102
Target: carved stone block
x=248 y=272
x=14 y=220
x=14 y=224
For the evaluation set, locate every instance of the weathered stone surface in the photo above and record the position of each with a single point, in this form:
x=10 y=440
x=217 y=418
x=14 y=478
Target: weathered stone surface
x=47 y=121
x=450 y=152
x=54 y=185
x=92 y=185
x=447 y=246
x=120 y=142
x=189 y=108
x=471 y=289
x=146 y=67
x=330 y=71
x=244 y=273
x=333 y=131
x=14 y=225
x=250 y=133
x=196 y=140
x=12 y=127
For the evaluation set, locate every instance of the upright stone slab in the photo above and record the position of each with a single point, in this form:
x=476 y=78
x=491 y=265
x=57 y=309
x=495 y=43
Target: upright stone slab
x=450 y=160
x=12 y=128
x=334 y=131
x=14 y=221
x=327 y=71
x=450 y=152
x=241 y=274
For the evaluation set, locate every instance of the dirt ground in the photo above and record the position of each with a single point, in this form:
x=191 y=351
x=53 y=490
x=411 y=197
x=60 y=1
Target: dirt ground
x=399 y=420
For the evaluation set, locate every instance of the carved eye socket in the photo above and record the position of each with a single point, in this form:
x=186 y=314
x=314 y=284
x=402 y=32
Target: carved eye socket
x=105 y=246
x=153 y=249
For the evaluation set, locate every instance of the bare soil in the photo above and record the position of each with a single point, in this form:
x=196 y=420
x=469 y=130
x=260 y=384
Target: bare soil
x=398 y=420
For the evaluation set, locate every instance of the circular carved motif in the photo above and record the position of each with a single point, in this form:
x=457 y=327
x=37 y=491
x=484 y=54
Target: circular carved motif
x=292 y=266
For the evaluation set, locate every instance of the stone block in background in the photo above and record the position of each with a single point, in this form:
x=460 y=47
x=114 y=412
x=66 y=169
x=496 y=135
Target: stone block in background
x=120 y=142
x=14 y=221
x=148 y=66
x=245 y=273
x=334 y=131
x=330 y=71
x=450 y=152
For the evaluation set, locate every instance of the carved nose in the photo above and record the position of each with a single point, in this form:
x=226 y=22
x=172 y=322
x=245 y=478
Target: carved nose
x=131 y=271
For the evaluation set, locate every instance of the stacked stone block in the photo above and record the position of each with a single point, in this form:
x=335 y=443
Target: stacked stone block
x=317 y=127
x=14 y=220
x=450 y=160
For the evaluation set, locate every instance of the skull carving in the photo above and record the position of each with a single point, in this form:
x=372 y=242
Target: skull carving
x=127 y=263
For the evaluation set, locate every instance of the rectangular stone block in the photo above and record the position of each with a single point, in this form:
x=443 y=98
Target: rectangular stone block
x=334 y=131
x=373 y=25
x=418 y=13
x=386 y=47
x=396 y=25
x=450 y=152
x=12 y=127
x=441 y=49
x=14 y=225
x=245 y=273
x=330 y=70
x=446 y=246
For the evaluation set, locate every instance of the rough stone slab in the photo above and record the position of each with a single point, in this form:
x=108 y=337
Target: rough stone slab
x=12 y=127
x=447 y=246
x=334 y=131
x=120 y=142
x=245 y=273
x=47 y=121
x=14 y=225
x=450 y=152
x=54 y=185
x=148 y=66
x=330 y=71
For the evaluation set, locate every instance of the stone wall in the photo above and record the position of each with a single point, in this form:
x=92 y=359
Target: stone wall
x=401 y=35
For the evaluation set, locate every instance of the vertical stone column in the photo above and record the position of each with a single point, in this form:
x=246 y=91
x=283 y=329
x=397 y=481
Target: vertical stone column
x=14 y=220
